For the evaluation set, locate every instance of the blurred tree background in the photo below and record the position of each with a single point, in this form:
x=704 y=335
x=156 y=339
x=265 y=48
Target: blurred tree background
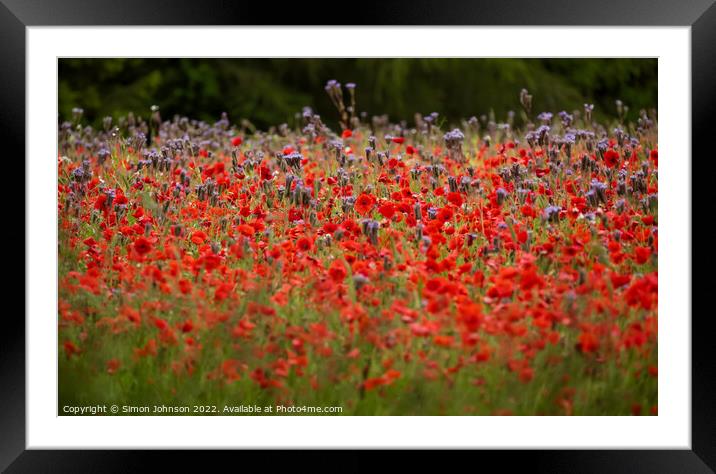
x=272 y=91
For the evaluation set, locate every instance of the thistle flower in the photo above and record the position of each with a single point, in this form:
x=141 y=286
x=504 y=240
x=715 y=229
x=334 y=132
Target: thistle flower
x=359 y=281
x=545 y=117
x=566 y=118
x=453 y=142
x=501 y=194
x=542 y=133
x=417 y=212
x=335 y=93
x=466 y=184
x=600 y=190
x=452 y=184
x=622 y=110
x=348 y=203
x=620 y=205
x=78 y=175
x=526 y=100
x=454 y=138
x=588 y=108
x=551 y=213
x=568 y=141
x=102 y=155
x=77 y=113
x=371 y=230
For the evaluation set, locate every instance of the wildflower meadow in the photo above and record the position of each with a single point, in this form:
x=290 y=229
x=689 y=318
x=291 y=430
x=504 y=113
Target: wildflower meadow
x=495 y=265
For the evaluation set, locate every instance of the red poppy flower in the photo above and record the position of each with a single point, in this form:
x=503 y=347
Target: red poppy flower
x=70 y=349
x=223 y=291
x=303 y=244
x=387 y=210
x=113 y=365
x=445 y=214
x=443 y=341
x=187 y=326
x=236 y=141
x=526 y=374
x=160 y=324
x=654 y=156
x=100 y=202
x=611 y=158
x=185 y=286
x=619 y=280
x=364 y=204
x=199 y=237
x=337 y=271
x=455 y=199
x=246 y=230
x=229 y=369
x=587 y=342
x=142 y=246
x=149 y=349
x=642 y=254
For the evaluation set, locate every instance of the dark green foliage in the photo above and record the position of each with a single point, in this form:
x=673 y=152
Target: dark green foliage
x=272 y=91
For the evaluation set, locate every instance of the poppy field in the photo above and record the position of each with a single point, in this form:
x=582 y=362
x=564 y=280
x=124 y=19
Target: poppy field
x=494 y=266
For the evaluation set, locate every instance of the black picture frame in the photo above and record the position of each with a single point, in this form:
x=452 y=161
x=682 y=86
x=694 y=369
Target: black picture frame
x=700 y=15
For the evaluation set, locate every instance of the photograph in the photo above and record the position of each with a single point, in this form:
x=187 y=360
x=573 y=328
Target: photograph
x=357 y=236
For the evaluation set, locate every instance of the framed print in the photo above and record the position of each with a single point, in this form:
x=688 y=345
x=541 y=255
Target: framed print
x=430 y=229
